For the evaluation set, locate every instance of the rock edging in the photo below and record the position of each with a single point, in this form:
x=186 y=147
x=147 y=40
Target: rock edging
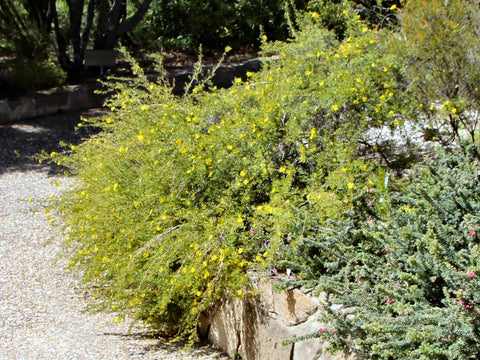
x=254 y=328
x=50 y=102
x=82 y=97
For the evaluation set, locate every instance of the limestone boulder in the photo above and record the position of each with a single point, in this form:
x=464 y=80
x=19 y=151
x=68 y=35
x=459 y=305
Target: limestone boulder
x=253 y=328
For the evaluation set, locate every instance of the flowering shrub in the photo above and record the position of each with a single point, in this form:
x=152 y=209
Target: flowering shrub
x=180 y=198
x=442 y=45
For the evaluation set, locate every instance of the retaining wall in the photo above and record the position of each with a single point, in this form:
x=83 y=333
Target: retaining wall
x=81 y=97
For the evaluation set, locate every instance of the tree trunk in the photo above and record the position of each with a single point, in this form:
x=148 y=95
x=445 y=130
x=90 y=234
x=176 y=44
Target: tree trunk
x=74 y=33
x=108 y=39
x=111 y=18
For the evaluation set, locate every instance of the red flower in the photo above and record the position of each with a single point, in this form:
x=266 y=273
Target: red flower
x=471 y=274
x=473 y=233
x=320 y=330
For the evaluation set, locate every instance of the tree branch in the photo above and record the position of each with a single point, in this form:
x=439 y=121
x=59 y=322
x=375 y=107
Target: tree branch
x=128 y=24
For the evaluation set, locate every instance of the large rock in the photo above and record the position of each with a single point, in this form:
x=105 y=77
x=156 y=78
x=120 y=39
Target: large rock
x=254 y=328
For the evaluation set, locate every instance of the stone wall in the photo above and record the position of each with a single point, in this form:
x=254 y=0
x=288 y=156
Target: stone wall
x=49 y=102
x=253 y=328
x=223 y=78
x=80 y=97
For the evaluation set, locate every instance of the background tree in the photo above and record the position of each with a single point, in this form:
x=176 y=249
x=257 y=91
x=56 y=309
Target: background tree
x=26 y=26
x=106 y=19
x=213 y=24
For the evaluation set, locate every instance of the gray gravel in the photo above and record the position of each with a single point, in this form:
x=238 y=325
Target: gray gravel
x=41 y=314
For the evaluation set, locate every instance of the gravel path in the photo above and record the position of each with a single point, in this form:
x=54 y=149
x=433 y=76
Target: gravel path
x=41 y=314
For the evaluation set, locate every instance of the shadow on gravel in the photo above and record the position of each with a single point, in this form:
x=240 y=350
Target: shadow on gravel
x=158 y=343
x=21 y=141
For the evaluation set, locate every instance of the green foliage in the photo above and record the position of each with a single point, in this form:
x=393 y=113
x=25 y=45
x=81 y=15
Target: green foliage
x=219 y=23
x=23 y=36
x=179 y=199
x=378 y=13
x=403 y=275
x=333 y=15
x=442 y=43
x=31 y=75
x=213 y=24
x=20 y=33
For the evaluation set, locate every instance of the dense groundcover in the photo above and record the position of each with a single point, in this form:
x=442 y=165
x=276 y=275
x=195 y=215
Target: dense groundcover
x=179 y=200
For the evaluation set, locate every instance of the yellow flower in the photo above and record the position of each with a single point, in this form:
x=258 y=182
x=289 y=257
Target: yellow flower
x=243 y=173
x=350 y=185
x=393 y=7
x=335 y=107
